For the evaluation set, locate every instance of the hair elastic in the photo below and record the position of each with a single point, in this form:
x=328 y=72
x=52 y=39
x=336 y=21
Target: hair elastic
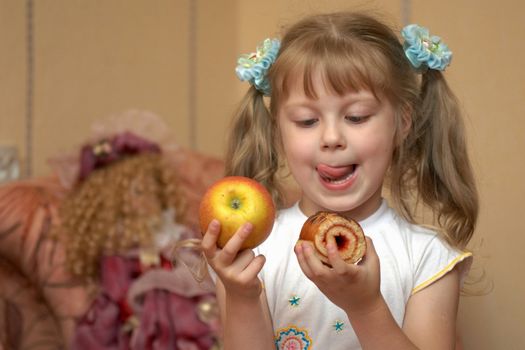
x=253 y=67
x=424 y=50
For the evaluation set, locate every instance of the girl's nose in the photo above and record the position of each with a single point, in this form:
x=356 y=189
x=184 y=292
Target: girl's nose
x=332 y=137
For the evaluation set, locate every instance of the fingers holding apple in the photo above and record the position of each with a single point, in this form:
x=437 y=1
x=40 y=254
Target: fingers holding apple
x=234 y=201
x=209 y=239
x=237 y=269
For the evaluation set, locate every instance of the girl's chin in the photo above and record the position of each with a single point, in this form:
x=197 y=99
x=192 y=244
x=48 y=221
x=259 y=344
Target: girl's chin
x=355 y=206
x=342 y=206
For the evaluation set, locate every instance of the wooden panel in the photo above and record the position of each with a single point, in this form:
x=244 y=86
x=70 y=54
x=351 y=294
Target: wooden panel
x=215 y=102
x=488 y=77
x=12 y=74
x=96 y=58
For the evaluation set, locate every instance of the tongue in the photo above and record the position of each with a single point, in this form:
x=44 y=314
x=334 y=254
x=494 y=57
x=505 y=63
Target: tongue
x=334 y=172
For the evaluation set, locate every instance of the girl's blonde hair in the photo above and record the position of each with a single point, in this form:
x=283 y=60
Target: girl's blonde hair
x=355 y=51
x=116 y=208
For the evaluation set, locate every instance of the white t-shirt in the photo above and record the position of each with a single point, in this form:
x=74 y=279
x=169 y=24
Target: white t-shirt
x=411 y=258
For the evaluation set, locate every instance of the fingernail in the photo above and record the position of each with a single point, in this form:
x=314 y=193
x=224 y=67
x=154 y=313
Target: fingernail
x=248 y=227
x=214 y=224
x=305 y=247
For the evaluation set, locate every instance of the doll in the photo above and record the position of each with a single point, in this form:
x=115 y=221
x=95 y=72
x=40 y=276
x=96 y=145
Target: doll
x=119 y=226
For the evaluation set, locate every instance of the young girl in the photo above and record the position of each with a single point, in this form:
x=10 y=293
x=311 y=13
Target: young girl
x=352 y=111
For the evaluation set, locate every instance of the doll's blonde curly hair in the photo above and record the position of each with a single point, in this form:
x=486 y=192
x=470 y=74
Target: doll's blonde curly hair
x=117 y=208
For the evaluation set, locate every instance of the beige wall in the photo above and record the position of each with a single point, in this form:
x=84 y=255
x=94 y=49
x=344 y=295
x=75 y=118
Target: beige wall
x=95 y=58
x=12 y=73
x=491 y=84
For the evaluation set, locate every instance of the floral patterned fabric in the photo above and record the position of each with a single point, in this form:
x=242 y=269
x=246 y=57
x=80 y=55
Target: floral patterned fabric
x=165 y=320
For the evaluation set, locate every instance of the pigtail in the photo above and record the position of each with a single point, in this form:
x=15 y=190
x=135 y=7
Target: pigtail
x=252 y=149
x=444 y=177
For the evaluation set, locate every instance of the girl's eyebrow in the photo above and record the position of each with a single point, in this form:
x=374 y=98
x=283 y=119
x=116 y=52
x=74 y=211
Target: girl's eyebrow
x=299 y=104
x=362 y=95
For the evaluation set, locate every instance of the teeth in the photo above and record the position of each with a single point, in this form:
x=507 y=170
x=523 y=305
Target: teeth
x=338 y=180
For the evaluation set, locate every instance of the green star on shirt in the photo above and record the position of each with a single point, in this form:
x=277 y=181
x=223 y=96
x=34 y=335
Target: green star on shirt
x=294 y=301
x=338 y=326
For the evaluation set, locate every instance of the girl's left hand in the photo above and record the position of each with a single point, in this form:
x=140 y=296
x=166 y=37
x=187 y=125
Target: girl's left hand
x=352 y=287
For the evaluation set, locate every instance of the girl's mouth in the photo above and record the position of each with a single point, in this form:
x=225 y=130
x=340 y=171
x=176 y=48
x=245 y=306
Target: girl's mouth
x=336 y=175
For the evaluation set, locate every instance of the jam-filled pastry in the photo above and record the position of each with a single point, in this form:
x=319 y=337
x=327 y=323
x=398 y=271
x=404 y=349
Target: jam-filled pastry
x=347 y=234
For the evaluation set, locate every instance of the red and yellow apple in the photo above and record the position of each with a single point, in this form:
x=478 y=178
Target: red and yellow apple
x=233 y=201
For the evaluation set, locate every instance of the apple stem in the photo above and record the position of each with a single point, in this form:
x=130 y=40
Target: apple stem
x=236 y=204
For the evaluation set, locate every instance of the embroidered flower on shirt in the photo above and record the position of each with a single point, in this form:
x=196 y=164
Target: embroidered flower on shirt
x=294 y=300
x=292 y=338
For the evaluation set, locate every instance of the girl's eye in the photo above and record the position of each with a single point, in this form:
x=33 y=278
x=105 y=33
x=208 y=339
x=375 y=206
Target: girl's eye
x=306 y=123
x=354 y=119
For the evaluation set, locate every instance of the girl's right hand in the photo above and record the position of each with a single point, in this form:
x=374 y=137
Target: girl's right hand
x=355 y=288
x=236 y=269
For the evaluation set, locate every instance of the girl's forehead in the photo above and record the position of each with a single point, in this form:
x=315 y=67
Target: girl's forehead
x=316 y=83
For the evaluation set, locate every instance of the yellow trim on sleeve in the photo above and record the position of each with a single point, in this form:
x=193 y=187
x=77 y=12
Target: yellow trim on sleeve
x=441 y=273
